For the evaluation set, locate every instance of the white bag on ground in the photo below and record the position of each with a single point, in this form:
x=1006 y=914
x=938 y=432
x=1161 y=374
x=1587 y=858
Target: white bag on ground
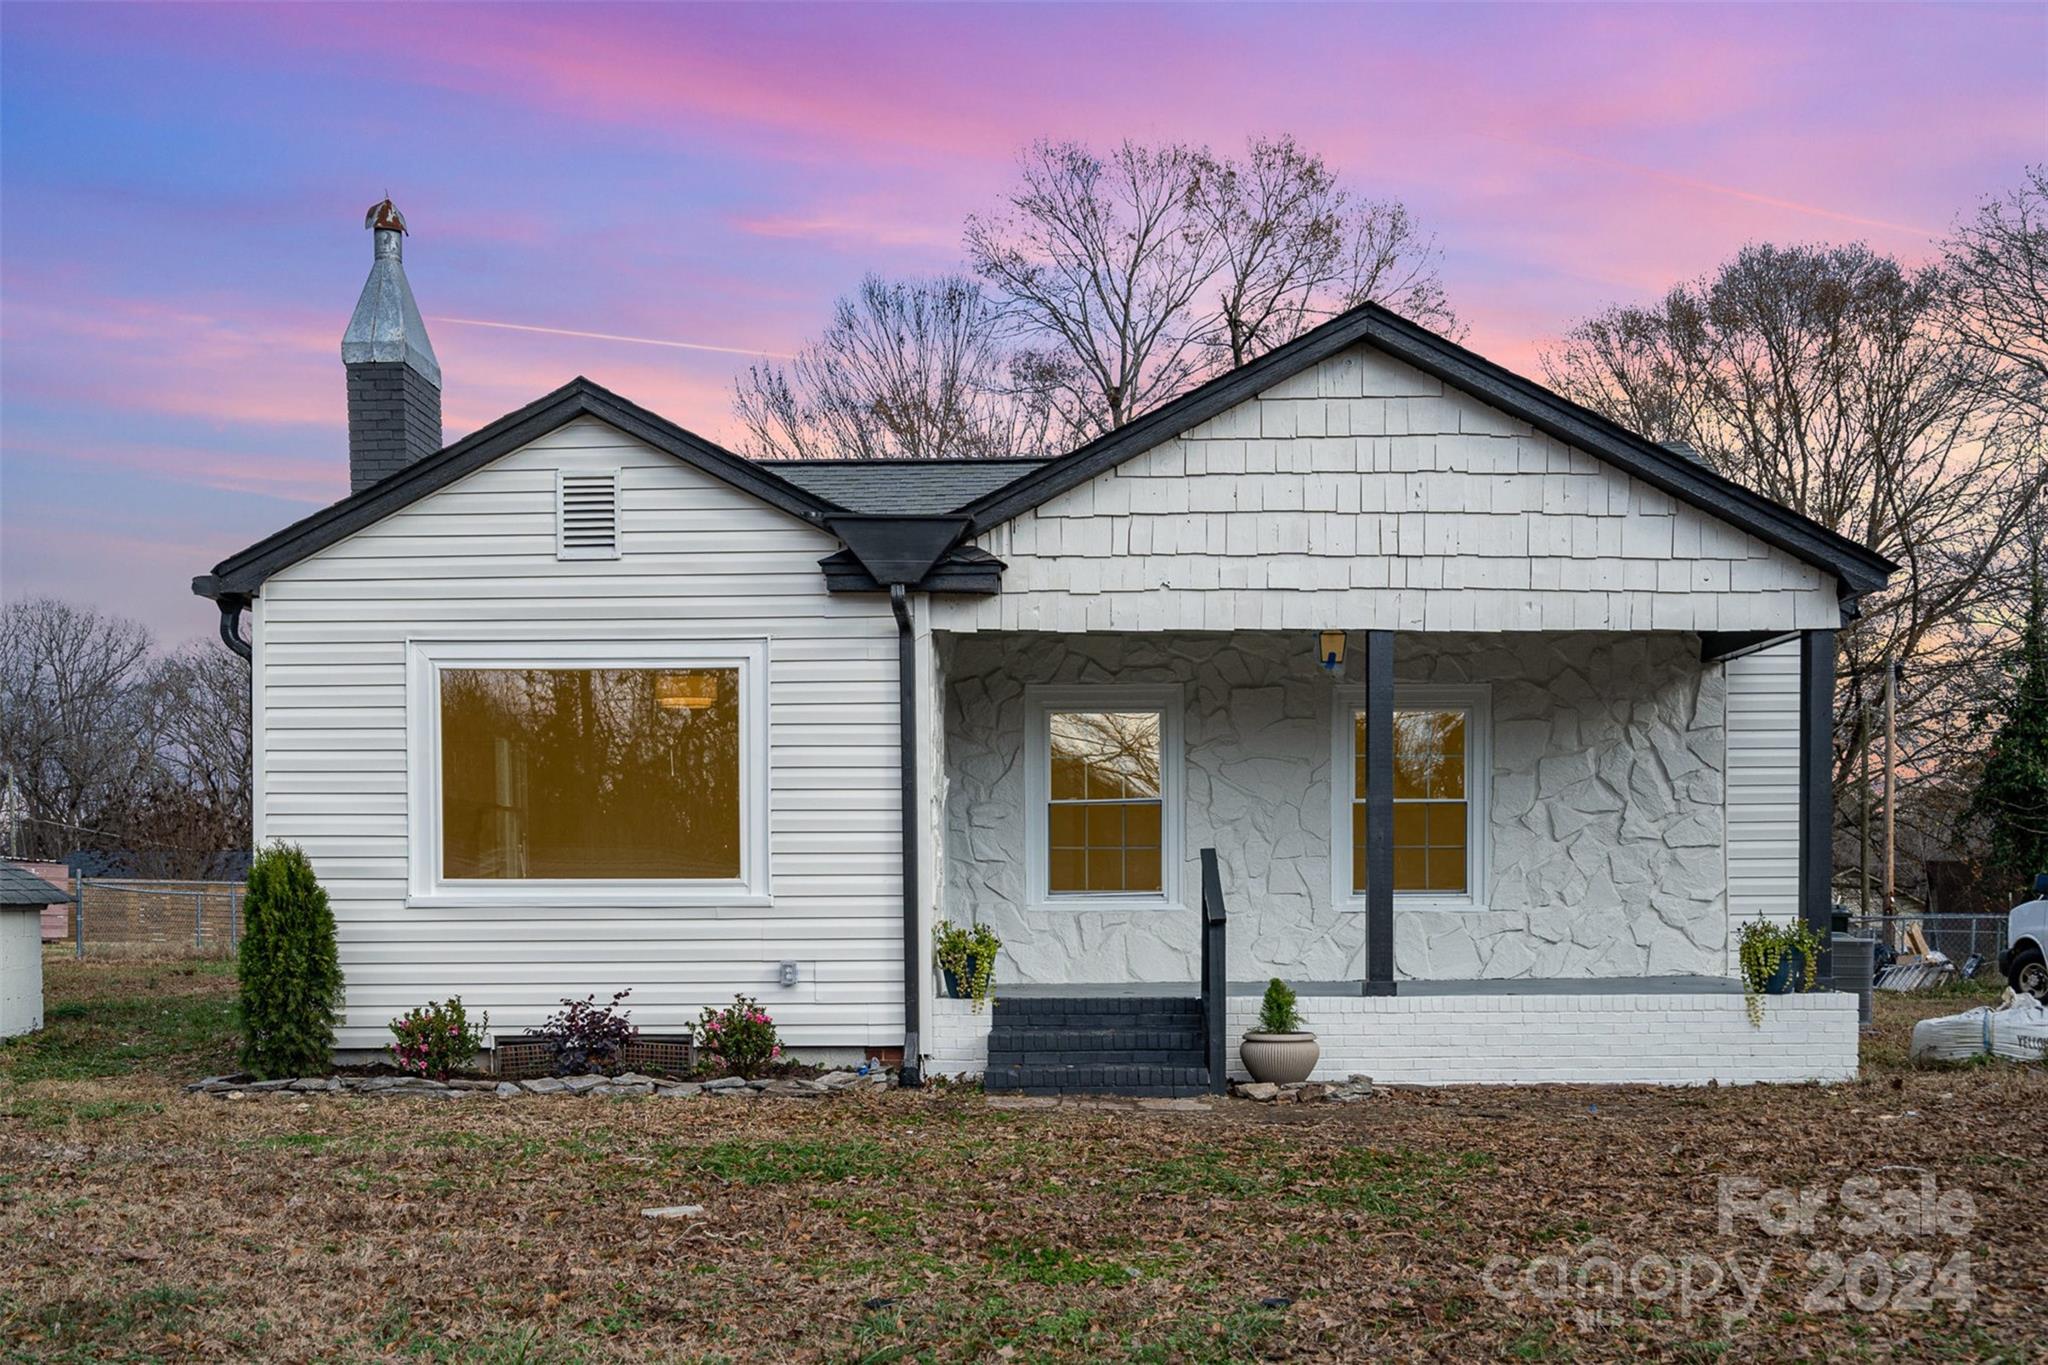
x=2017 y=1029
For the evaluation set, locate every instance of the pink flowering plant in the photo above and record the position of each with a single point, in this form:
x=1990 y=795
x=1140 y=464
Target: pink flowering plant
x=741 y=1037
x=436 y=1039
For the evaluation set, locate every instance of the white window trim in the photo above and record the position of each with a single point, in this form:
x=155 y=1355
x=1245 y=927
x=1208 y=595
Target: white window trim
x=426 y=887
x=1039 y=704
x=1477 y=701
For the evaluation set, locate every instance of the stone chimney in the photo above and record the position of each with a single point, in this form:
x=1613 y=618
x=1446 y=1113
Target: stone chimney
x=394 y=382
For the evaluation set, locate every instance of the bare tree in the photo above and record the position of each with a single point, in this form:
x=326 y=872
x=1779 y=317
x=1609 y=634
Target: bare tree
x=198 y=800
x=906 y=370
x=115 y=749
x=1997 y=267
x=1834 y=381
x=1294 y=249
x=75 y=716
x=1098 y=262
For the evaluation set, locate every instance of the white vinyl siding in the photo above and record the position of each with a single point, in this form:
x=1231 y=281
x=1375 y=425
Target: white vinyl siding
x=1364 y=494
x=1763 y=785
x=476 y=561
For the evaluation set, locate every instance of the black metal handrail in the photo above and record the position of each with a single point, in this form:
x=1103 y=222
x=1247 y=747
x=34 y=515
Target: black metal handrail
x=1215 y=975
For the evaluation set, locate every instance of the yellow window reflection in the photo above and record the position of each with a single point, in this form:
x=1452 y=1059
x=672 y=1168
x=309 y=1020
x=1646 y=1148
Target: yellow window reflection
x=604 y=773
x=1103 y=823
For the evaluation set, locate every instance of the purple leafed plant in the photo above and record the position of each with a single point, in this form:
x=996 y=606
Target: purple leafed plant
x=586 y=1034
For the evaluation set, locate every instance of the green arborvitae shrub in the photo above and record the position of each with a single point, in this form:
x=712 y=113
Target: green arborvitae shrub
x=2011 y=799
x=1278 y=1012
x=290 y=974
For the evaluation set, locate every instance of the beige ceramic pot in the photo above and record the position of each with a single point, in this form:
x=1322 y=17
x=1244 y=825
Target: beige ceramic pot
x=1279 y=1057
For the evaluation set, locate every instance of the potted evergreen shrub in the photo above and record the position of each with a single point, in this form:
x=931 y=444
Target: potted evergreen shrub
x=967 y=961
x=1279 y=1049
x=1777 y=959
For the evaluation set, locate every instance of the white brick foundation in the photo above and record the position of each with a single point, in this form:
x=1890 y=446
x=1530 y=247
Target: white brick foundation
x=1598 y=1038
x=956 y=1038
x=1610 y=1039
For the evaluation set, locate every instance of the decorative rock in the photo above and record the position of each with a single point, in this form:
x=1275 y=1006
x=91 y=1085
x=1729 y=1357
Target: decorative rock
x=616 y=1088
x=1265 y=1092
x=833 y=1080
x=507 y=1089
x=724 y=1083
x=576 y=1085
x=675 y=1211
x=464 y=1084
x=267 y=1086
x=317 y=1083
x=686 y=1090
x=227 y=1082
x=634 y=1078
x=543 y=1085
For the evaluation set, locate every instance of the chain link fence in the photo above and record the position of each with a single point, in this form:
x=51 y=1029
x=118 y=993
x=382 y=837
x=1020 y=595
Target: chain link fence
x=110 y=918
x=1963 y=939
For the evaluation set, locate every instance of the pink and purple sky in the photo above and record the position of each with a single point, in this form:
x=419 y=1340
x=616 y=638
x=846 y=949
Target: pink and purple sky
x=182 y=191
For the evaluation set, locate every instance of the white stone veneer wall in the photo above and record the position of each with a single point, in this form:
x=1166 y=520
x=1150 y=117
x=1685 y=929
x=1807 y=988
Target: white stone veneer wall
x=1606 y=821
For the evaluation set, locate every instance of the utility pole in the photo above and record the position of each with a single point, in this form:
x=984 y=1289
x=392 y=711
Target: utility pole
x=1863 y=798
x=1891 y=788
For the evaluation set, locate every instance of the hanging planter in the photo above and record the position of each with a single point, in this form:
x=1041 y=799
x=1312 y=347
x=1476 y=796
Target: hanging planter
x=967 y=961
x=1777 y=959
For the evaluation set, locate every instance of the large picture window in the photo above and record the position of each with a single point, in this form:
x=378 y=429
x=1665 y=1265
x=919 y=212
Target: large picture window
x=1103 y=779
x=561 y=773
x=566 y=770
x=1440 y=781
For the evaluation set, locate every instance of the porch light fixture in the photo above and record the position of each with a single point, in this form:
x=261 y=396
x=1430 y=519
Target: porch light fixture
x=692 y=691
x=1330 y=651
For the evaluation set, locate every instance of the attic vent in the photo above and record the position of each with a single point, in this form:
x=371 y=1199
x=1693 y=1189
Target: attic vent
x=586 y=516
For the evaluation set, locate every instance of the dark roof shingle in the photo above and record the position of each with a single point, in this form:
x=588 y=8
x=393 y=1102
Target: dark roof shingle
x=911 y=487
x=19 y=886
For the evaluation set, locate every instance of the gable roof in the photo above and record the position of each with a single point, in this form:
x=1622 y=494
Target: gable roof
x=902 y=486
x=241 y=574
x=990 y=492
x=1859 y=569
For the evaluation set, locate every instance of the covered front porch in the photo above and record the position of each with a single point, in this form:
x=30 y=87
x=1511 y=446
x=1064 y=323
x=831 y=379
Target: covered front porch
x=1476 y=857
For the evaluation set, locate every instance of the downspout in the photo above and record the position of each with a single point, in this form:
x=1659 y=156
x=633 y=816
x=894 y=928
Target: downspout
x=906 y=731
x=231 y=609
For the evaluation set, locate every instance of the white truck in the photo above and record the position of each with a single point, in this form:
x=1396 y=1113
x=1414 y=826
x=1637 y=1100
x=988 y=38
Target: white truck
x=2025 y=959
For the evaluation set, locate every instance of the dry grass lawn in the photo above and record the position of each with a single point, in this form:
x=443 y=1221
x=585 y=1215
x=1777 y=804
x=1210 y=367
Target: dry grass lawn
x=140 y=1223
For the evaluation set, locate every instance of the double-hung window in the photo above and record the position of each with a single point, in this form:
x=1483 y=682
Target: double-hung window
x=1103 y=790
x=1441 y=780
x=573 y=773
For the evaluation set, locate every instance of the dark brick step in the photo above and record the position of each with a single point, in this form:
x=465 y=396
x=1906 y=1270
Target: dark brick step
x=1009 y=1037
x=1140 y=1056
x=1097 y=1080
x=1086 y=1019
x=1023 y=1008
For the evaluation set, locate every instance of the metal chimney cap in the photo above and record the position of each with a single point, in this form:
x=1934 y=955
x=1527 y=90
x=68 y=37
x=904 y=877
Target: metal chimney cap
x=387 y=326
x=385 y=217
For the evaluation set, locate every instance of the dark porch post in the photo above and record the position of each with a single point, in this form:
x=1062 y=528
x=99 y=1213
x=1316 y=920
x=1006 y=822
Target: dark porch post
x=1379 y=812
x=1816 y=791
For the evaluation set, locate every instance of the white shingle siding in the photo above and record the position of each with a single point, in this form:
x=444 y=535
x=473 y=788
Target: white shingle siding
x=1763 y=786
x=1364 y=493
x=477 y=560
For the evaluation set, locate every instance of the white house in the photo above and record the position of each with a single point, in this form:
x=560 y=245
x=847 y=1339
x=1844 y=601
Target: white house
x=584 y=701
